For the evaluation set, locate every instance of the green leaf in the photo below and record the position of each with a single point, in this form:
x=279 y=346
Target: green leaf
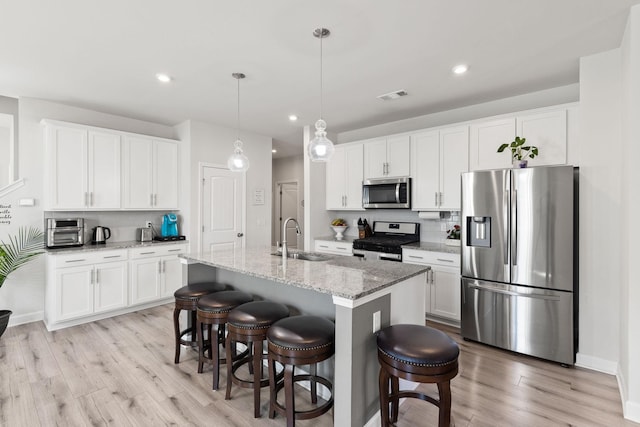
x=502 y=147
x=20 y=250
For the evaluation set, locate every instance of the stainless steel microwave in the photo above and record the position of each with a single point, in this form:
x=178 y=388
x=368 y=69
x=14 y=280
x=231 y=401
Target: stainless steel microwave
x=386 y=193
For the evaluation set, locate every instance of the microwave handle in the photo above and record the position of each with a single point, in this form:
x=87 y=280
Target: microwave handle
x=398 y=193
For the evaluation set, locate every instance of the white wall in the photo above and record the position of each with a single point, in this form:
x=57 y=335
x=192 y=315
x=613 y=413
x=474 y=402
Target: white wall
x=629 y=374
x=287 y=169
x=600 y=197
x=23 y=292
x=213 y=144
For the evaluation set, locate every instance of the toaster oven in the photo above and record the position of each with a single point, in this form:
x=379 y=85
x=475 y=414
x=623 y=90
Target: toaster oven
x=64 y=232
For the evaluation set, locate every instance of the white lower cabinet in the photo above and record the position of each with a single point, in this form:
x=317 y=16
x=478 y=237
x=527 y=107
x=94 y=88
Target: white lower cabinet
x=155 y=273
x=333 y=247
x=90 y=285
x=443 y=283
x=85 y=284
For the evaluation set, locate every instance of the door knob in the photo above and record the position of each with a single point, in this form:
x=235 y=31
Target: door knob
x=240 y=234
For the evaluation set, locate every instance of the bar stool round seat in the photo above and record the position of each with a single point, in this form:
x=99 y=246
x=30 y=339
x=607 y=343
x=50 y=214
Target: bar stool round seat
x=419 y=354
x=213 y=309
x=186 y=298
x=295 y=341
x=248 y=323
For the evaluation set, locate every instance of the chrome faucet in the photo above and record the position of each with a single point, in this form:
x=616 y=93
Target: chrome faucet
x=284 y=235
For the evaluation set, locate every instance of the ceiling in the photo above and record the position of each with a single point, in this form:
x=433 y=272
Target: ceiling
x=105 y=55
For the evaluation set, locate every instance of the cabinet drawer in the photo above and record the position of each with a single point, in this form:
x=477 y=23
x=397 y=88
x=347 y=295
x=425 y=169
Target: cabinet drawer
x=413 y=256
x=154 y=251
x=85 y=258
x=341 y=248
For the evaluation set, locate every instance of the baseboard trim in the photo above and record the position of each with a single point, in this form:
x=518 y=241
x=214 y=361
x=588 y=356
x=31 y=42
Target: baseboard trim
x=21 y=319
x=631 y=410
x=597 y=364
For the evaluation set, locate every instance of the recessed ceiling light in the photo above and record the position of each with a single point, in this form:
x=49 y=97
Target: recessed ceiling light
x=274 y=151
x=293 y=117
x=460 y=69
x=392 y=95
x=164 y=78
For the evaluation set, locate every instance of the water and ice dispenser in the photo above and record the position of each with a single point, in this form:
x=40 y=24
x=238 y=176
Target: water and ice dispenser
x=479 y=233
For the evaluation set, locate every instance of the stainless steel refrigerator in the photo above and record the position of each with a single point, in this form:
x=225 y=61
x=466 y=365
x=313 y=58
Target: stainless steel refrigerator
x=518 y=260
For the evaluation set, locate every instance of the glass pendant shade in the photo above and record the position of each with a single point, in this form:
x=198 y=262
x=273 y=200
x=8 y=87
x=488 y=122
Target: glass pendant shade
x=238 y=162
x=320 y=148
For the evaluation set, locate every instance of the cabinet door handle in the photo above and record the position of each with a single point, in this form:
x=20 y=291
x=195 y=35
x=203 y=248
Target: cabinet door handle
x=91 y=277
x=440 y=199
x=436 y=198
x=159 y=267
x=91 y=198
x=97 y=278
x=86 y=198
x=431 y=277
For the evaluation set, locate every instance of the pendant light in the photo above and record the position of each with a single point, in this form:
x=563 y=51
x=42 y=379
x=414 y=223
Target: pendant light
x=321 y=148
x=238 y=162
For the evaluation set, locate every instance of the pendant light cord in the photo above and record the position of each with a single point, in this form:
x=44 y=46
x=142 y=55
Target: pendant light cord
x=238 y=116
x=321 y=89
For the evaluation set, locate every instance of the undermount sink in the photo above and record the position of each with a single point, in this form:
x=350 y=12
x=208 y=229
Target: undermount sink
x=306 y=256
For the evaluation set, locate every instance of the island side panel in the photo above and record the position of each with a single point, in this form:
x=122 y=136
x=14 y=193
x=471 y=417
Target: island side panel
x=356 y=361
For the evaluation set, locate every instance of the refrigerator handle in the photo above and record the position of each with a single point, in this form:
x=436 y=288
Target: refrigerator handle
x=515 y=294
x=505 y=209
x=514 y=218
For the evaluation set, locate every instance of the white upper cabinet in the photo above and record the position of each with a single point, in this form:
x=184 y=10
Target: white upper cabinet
x=437 y=160
x=91 y=168
x=83 y=169
x=486 y=137
x=344 y=178
x=387 y=157
x=546 y=129
x=150 y=174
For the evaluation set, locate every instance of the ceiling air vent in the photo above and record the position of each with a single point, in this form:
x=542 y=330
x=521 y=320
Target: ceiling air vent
x=392 y=95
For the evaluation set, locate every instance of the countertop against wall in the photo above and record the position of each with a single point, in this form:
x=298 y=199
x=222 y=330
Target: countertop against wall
x=133 y=244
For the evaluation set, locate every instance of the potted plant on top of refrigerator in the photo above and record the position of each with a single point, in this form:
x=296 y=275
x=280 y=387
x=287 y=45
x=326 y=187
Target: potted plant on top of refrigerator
x=519 y=151
x=19 y=251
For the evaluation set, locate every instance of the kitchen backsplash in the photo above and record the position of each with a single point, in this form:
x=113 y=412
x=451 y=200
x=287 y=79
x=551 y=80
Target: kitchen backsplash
x=431 y=230
x=123 y=225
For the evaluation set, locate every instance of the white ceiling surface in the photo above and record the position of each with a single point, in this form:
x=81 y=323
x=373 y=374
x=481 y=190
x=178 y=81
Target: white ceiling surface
x=104 y=56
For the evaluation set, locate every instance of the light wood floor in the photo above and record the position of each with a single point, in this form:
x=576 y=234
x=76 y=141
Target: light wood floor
x=120 y=372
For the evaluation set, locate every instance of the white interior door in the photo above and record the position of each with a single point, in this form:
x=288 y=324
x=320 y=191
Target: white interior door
x=222 y=201
x=289 y=208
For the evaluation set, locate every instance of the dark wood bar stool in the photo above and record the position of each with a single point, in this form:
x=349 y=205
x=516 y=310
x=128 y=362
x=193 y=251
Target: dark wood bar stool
x=187 y=299
x=213 y=309
x=295 y=341
x=419 y=354
x=248 y=323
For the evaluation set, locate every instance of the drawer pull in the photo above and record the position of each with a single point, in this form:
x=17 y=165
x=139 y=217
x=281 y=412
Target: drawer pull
x=174 y=250
x=75 y=260
x=445 y=260
x=112 y=256
x=146 y=253
x=415 y=257
x=342 y=249
x=324 y=246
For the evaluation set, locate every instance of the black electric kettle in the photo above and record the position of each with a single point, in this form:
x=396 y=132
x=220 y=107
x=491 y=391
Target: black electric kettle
x=100 y=235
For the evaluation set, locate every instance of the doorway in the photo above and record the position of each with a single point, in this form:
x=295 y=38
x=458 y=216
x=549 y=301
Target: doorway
x=287 y=205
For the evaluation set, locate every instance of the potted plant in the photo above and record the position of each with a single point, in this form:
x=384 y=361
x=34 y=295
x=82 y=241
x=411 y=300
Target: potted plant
x=20 y=250
x=519 y=151
x=453 y=236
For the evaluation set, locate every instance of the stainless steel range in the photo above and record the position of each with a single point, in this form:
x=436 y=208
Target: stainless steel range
x=386 y=241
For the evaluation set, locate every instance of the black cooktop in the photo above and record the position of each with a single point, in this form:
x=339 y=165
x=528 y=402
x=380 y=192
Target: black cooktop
x=388 y=237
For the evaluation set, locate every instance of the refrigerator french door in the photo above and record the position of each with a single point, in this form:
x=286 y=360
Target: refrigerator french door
x=517 y=260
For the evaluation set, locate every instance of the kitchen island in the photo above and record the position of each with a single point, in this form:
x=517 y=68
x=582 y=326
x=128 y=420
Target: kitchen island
x=357 y=295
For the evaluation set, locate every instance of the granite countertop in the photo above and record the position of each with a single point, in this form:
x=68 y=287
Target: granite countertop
x=132 y=244
x=433 y=247
x=341 y=276
x=347 y=239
